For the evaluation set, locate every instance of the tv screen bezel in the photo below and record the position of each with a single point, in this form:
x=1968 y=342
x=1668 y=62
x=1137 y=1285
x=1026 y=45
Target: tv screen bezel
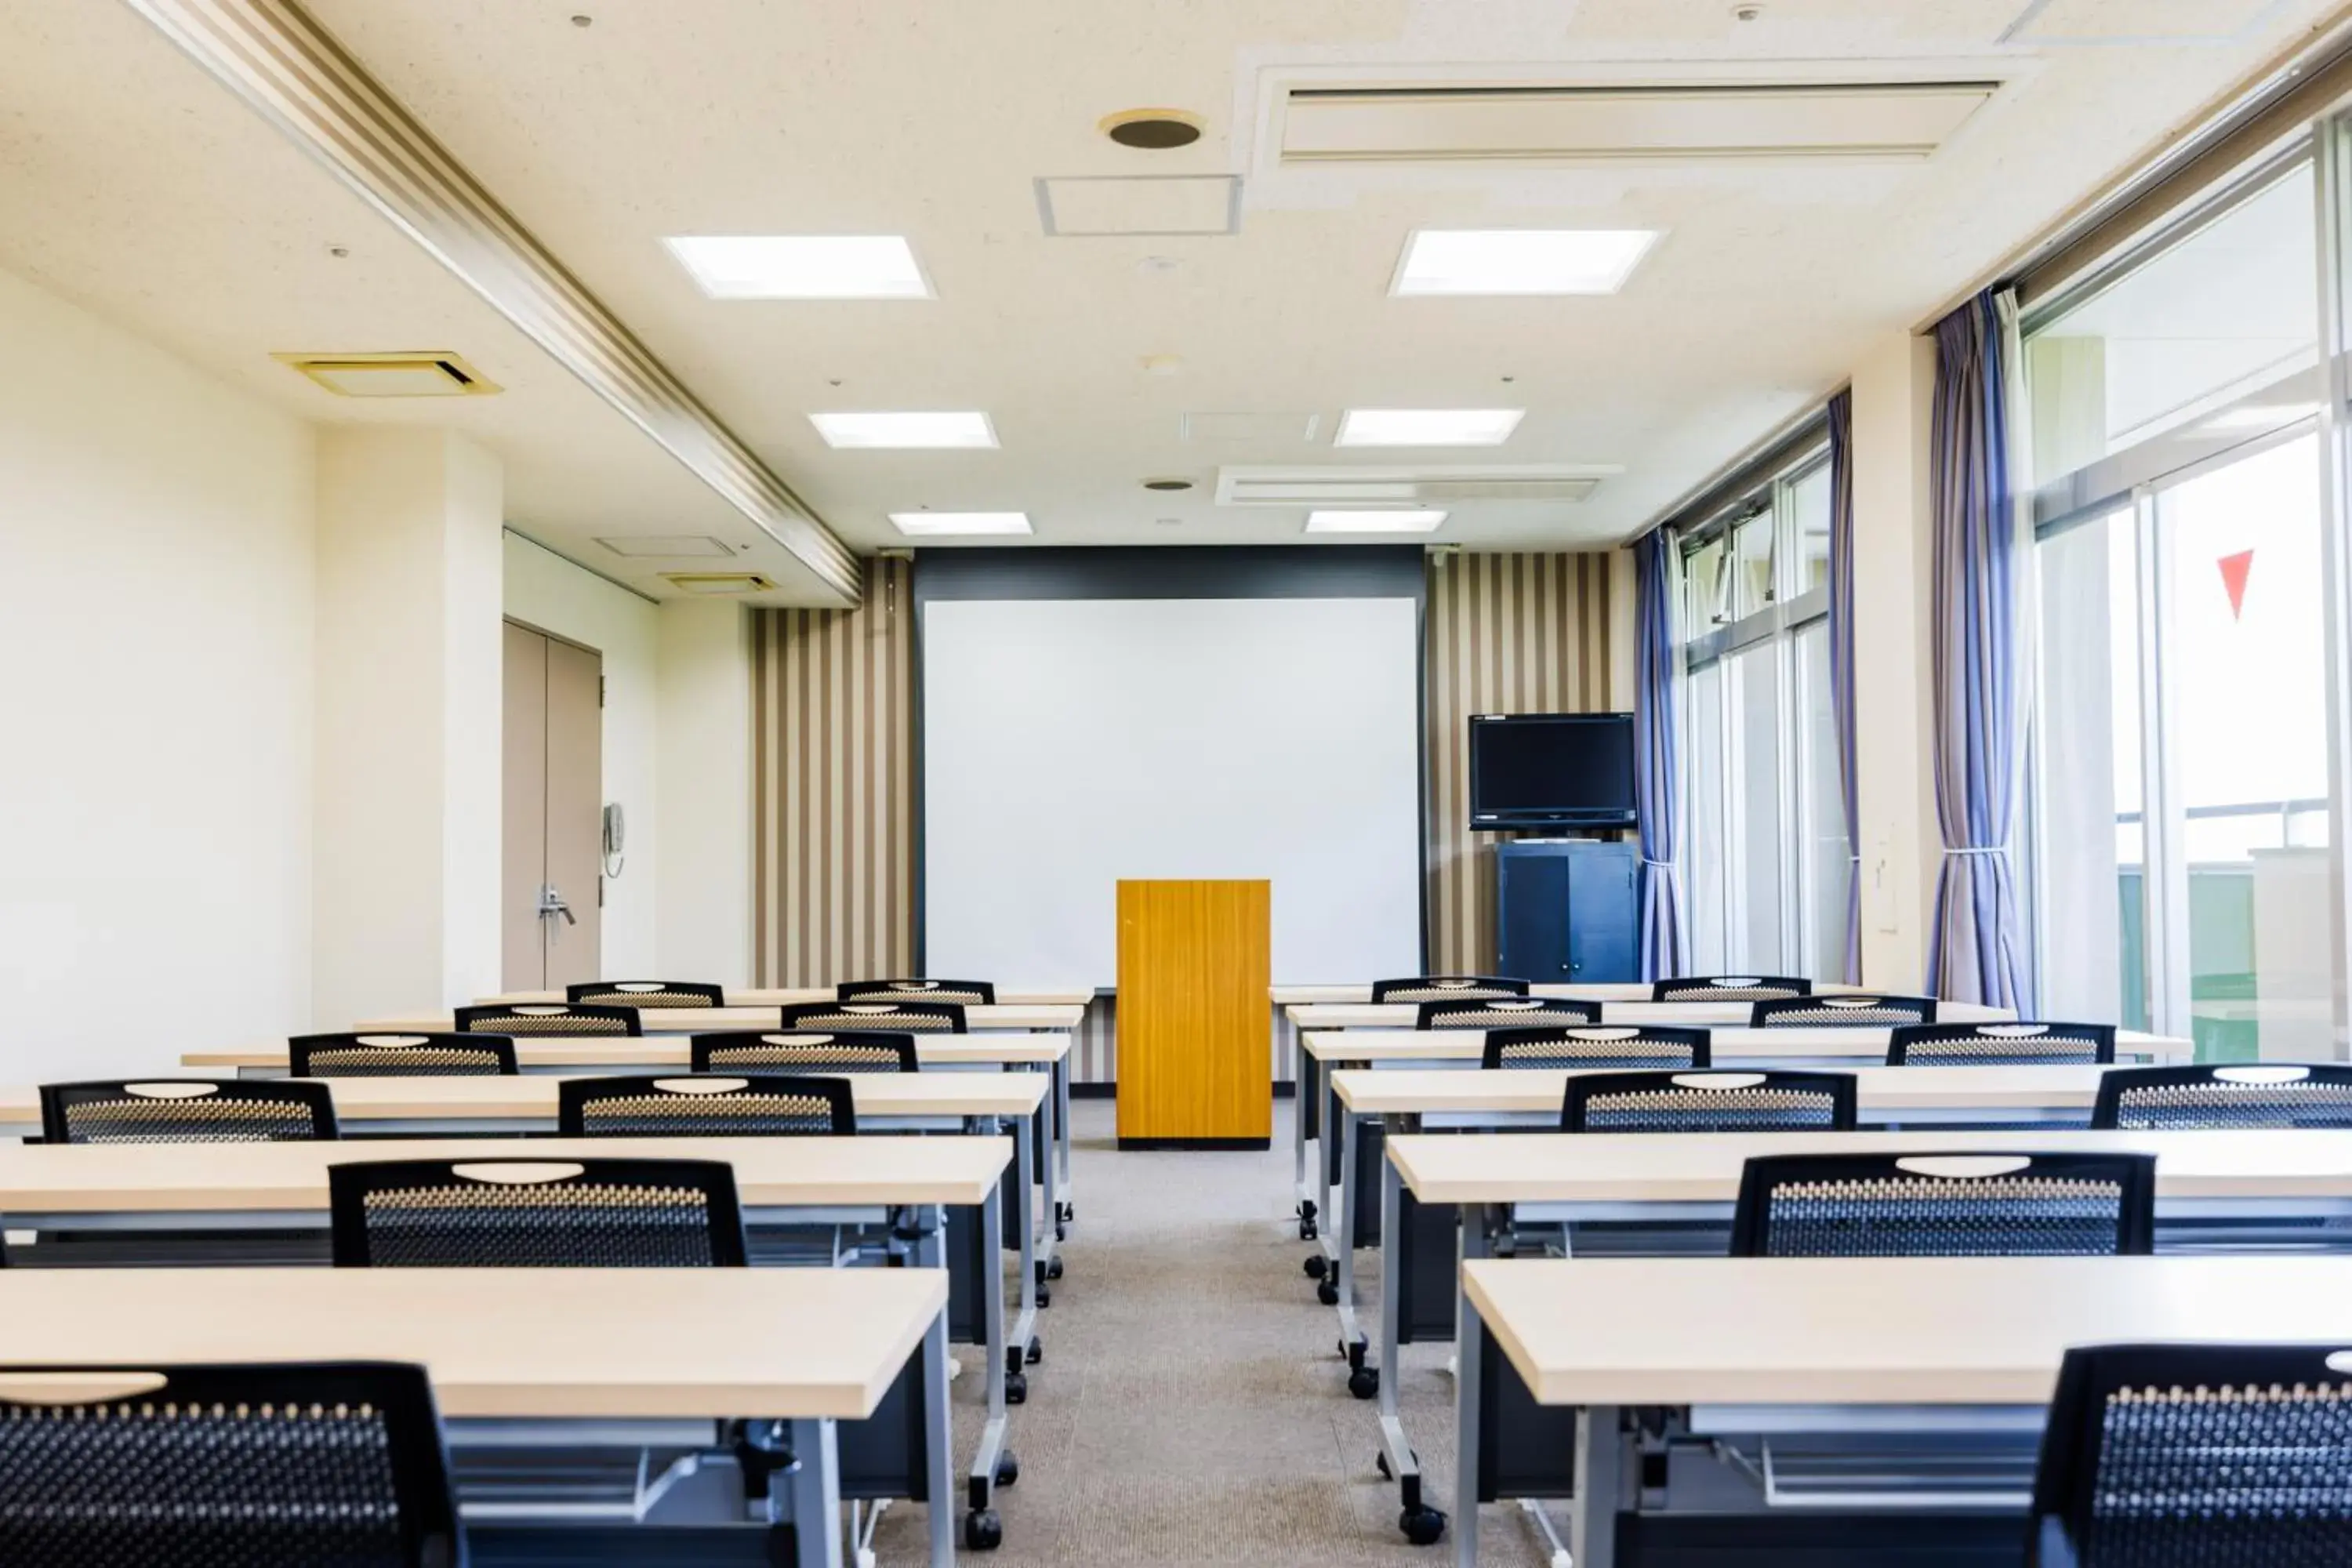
x=1508 y=821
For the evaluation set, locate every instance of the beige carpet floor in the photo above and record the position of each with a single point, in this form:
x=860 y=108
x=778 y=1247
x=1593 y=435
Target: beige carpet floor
x=1190 y=1407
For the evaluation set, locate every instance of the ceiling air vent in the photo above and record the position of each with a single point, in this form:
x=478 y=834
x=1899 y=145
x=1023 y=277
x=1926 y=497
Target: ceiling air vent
x=412 y=374
x=1353 y=485
x=672 y=546
x=719 y=583
x=1675 y=121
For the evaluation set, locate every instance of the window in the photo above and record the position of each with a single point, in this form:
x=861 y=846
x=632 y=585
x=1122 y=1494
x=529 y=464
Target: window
x=1767 y=865
x=2183 y=796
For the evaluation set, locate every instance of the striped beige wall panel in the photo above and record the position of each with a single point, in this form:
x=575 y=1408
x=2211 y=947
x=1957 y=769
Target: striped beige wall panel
x=834 y=765
x=1506 y=633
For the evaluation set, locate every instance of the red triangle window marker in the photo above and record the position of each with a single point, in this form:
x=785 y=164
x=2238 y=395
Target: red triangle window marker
x=2235 y=569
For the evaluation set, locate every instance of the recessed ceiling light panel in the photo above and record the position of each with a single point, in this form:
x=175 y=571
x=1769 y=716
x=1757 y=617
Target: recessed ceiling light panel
x=420 y=374
x=657 y=546
x=940 y=525
x=904 y=430
x=1428 y=427
x=720 y=582
x=802 y=265
x=1519 y=261
x=1423 y=521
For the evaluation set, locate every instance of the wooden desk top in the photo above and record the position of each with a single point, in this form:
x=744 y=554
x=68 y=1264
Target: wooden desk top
x=798 y=1173
x=703 y=1020
x=532 y=1096
x=609 y=1055
x=785 y=996
x=548 y=1342
x=1361 y=993
x=1704 y=1167
x=1713 y=1014
x=1396 y=1091
x=1935 y=1331
x=1865 y=1045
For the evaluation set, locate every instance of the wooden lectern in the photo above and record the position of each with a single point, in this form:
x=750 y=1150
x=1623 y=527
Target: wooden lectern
x=1195 y=1034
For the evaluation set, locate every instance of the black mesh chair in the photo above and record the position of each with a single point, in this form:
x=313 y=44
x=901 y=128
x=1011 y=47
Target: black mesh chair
x=535 y=1213
x=1505 y=1012
x=187 y=1110
x=1842 y=1008
x=1596 y=1046
x=226 y=1467
x=962 y=993
x=2001 y=1045
x=2253 y=1095
x=924 y=1018
x=645 y=993
x=1946 y=1205
x=450 y=1054
x=1447 y=988
x=549 y=1018
x=1709 y=1102
x=1731 y=988
x=876 y=1051
x=2211 y=1456
x=722 y=1105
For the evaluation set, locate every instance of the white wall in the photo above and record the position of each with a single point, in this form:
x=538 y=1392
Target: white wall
x=1900 y=844
x=545 y=591
x=155 y=630
x=703 y=802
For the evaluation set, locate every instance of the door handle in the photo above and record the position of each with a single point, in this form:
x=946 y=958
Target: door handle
x=551 y=902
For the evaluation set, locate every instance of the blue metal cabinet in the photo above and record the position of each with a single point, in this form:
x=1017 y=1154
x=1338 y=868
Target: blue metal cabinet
x=1567 y=911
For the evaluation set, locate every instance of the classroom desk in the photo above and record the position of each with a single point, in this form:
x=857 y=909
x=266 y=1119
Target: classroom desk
x=1967 y=1347
x=1704 y=1015
x=1567 y=1179
x=792 y=996
x=1323 y=1052
x=648 y=1358
x=228 y=1189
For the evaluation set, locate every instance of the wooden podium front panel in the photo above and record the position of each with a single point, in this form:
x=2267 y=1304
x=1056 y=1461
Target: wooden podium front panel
x=1194 y=1032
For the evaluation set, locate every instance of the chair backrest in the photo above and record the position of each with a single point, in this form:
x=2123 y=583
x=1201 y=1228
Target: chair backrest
x=187 y=1110
x=2000 y=1045
x=861 y=1050
x=226 y=1466
x=1842 y=1007
x=535 y=1213
x=720 y=1105
x=449 y=1054
x=1709 y=1102
x=549 y=1018
x=926 y=1018
x=962 y=993
x=1946 y=1205
x=2251 y=1094
x=2195 y=1456
x=1731 y=988
x=1596 y=1046
x=1505 y=1012
x=646 y=993
x=1447 y=988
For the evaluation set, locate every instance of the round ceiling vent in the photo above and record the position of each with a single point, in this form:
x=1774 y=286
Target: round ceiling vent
x=1170 y=484
x=1152 y=130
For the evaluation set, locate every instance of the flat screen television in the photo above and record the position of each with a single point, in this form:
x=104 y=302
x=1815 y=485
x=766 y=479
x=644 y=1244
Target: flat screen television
x=1552 y=770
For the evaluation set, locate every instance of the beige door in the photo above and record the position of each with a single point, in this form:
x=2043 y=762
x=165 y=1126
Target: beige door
x=551 y=885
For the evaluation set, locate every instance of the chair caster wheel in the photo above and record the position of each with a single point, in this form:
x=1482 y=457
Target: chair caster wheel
x=1013 y=1362
x=1380 y=1463
x=1036 y=1350
x=1365 y=1381
x=1327 y=1293
x=1017 y=1388
x=1306 y=1210
x=982 y=1530
x=1008 y=1468
x=1061 y=1231
x=1306 y=1231
x=1054 y=1270
x=1045 y=1297
x=1316 y=1266
x=1422 y=1526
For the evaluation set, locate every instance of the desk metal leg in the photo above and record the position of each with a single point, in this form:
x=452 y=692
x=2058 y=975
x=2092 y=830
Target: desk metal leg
x=1600 y=1474
x=1420 y=1523
x=1303 y=1089
x=938 y=1431
x=1330 y=1241
x=982 y=1528
x=1069 y=1209
x=1340 y=1288
x=1033 y=1293
x=816 y=1493
x=1469 y=1349
x=1048 y=1228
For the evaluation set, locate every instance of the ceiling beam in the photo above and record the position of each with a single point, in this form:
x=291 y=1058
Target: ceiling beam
x=279 y=59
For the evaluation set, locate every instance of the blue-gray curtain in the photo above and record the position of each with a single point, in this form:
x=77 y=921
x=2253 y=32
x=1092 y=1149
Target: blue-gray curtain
x=1841 y=665
x=1978 y=951
x=1657 y=771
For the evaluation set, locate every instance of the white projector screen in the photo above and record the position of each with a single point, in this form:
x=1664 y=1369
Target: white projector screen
x=1071 y=743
